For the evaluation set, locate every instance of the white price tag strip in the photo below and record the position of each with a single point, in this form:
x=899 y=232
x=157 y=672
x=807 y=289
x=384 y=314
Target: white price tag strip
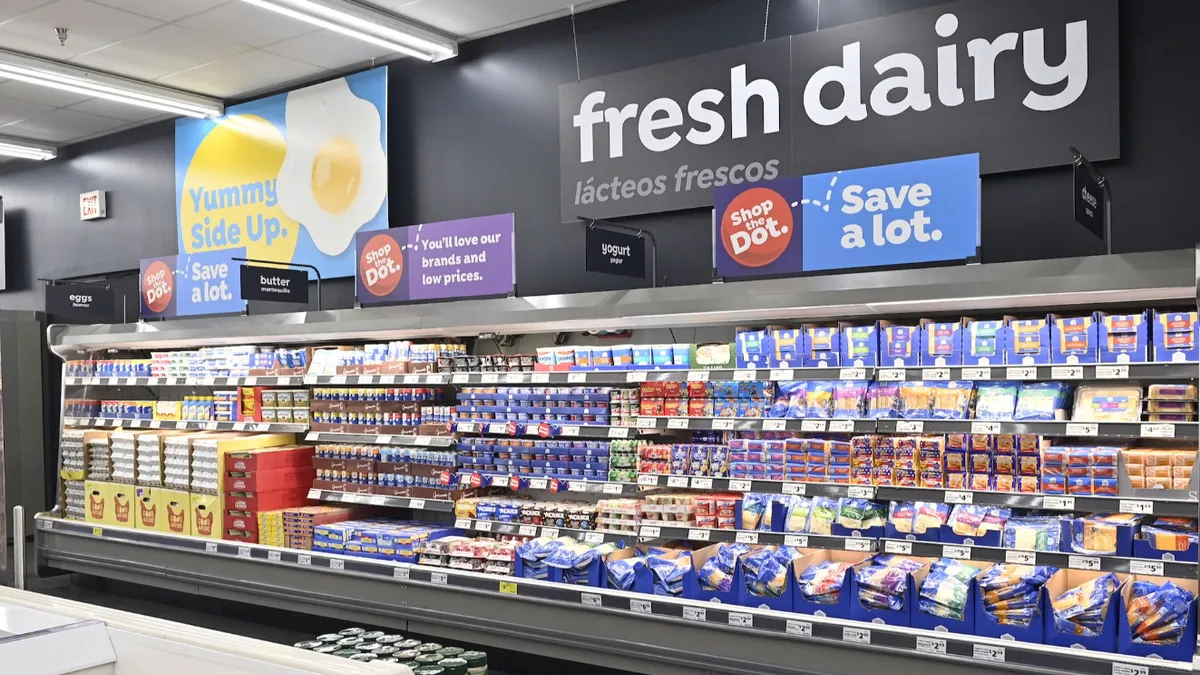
x=910 y=427
x=722 y=424
x=813 y=425
x=1150 y=567
x=842 y=426
x=695 y=613
x=1058 y=503
x=576 y=378
x=210 y=547
x=935 y=373
x=463 y=523
x=744 y=375
x=649 y=532
x=527 y=531
x=400 y=574
x=550 y=532
x=858 y=544
x=417 y=504
x=460 y=378
x=647 y=480
x=985 y=427
x=593 y=538
x=1067 y=372
x=795 y=540
x=800 y=628
x=746 y=538
x=304 y=559
x=956 y=552
x=243 y=552
x=698 y=535
x=274 y=556
x=852 y=374
x=483 y=525
x=438 y=578
x=697 y=376
x=635 y=376
x=1129 y=669
x=988 y=653
x=793 y=488
x=1136 y=506
x=955 y=497
x=590 y=599
x=699 y=483
x=741 y=620
x=612 y=488
x=677 y=481
x=539 y=483
x=539 y=378
x=335 y=564
x=931 y=645
x=782 y=374
x=618 y=432
x=1084 y=562
x=1082 y=429
x=860 y=492
x=774 y=425
x=1112 y=372
x=1159 y=430
x=859 y=635
x=976 y=373
x=740 y=485
x=639 y=606
x=571 y=430
x=897 y=547
x=890 y=375
x=678 y=423
x=1021 y=373
x=1020 y=557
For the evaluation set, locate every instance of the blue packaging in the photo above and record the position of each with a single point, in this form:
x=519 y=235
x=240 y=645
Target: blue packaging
x=985 y=342
x=839 y=609
x=986 y=625
x=899 y=346
x=941 y=343
x=860 y=345
x=1054 y=632
x=662 y=355
x=1028 y=342
x=1182 y=651
x=1176 y=336
x=1074 y=339
x=643 y=356
x=788 y=348
x=753 y=348
x=947 y=624
x=1123 y=338
x=822 y=346
x=891 y=617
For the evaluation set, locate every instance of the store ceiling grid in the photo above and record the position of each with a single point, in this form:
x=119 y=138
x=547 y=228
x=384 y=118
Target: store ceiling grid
x=221 y=48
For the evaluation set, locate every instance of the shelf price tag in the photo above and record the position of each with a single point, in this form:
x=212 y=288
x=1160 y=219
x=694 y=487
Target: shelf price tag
x=722 y=424
x=439 y=578
x=677 y=423
x=211 y=547
x=243 y=552
x=1058 y=503
x=1020 y=557
x=841 y=425
x=740 y=485
x=852 y=374
x=314 y=494
x=812 y=425
x=1112 y=372
x=577 y=486
x=931 y=645
x=647 y=480
x=593 y=538
x=953 y=497
x=1067 y=372
x=774 y=425
x=1129 y=669
x=649 y=532
x=155 y=424
x=956 y=552
x=571 y=430
x=390 y=379
x=698 y=535
x=274 y=556
x=858 y=544
x=590 y=599
x=910 y=427
x=514 y=378
x=1021 y=373
x=527 y=531
x=462 y=523
x=468 y=427
x=677 y=481
x=1151 y=567
x=460 y=378
x=416 y=504
x=639 y=606
x=699 y=483
x=976 y=373
x=612 y=488
x=1136 y=506
x=635 y=376
x=935 y=373
x=782 y=374
x=539 y=483
x=744 y=375
x=1084 y=562
x=508 y=587
x=746 y=538
x=800 y=628
x=1158 y=430
x=489 y=378
x=897 y=547
x=985 y=427
x=860 y=492
x=400 y=574
x=988 y=653
x=483 y=525
x=695 y=613
x=859 y=635
x=697 y=376
x=795 y=540
x=890 y=375
x=550 y=532
x=741 y=620
x=793 y=488
x=1082 y=429
x=576 y=378
x=304 y=560
x=618 y=432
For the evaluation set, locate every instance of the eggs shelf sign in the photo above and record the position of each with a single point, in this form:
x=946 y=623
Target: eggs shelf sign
x=897 y=214
x=437 y=261
x=290 y=178
x=189 y=285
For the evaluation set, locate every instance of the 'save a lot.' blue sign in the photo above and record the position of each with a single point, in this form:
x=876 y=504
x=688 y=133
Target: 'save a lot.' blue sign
x=896 y=214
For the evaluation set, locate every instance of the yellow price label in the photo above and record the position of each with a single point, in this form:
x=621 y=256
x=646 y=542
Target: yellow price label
x=97 y=531
x=508 y=587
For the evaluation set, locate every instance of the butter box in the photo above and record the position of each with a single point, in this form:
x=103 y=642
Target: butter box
x=860 y=345
x=1028 y=342
x=1074 y=339
x=1176 y=336
x=1122 y=338
x=942 y=343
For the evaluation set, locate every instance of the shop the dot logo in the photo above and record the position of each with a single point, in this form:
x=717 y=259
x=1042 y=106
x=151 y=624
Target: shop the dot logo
x=158 y=285
x=757 y=227
x=381 y=265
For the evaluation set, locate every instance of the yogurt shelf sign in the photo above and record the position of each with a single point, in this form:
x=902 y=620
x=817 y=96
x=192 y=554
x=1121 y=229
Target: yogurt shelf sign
x=436 y=261
x=190 y=285
x=897 y=214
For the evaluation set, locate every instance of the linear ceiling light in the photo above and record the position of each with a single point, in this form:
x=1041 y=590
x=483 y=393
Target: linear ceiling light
x=47 y=73
x=15 y=147
x=367 y=24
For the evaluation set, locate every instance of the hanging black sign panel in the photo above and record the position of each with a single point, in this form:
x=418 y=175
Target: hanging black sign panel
x=615 y=253
x=80 y=301
x=275 y=285
x=1014 y=81
x=1089 y=202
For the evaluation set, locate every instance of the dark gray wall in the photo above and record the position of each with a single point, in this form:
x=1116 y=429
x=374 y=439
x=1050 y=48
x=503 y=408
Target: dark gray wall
x=478 y=135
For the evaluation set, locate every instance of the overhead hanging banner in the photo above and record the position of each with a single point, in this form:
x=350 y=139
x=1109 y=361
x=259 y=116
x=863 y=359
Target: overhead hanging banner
x=288 y=178
x=881 y=216
x=92 y=302
x=1018 y=82
x=437 y=261
x=189 y=285
x=274 y=284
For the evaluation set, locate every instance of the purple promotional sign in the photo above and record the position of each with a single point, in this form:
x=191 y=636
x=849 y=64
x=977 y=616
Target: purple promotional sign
x=436 y=261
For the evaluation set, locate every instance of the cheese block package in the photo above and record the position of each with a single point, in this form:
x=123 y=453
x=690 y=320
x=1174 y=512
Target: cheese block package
x=1108 y=403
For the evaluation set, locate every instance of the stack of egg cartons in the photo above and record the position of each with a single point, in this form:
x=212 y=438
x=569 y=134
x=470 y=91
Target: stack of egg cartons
x=206 y=473
x=150 y=459
x=70 y=450
x=177 y=462
x=99 y=455
x=76 y=499
x=124 y=457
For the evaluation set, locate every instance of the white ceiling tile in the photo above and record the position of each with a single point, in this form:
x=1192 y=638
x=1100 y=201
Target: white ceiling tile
x=118 y=111
x=58 y=126
x=243 y=73
x=55 y=98
x=163 y=10
x=329 y=50
x=247 y=24
x=90 y=26
x=15 y=110
x=11 y=8
x=159 y=51
x=465 y=17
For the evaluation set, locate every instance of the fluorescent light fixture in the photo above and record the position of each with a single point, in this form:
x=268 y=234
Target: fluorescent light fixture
x=367 y=24
x=56 y=75
x=16 y=147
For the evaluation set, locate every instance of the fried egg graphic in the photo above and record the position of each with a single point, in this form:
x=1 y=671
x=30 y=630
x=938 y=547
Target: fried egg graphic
x=334 y=176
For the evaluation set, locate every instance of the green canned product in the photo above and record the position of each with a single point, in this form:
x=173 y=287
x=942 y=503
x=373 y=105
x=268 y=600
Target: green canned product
x=386 y=650
x=363 y=657
x=451 y=651
x=454 y=666
x=476 y=662
x=351 y=632
x=428 y=647
x=409 y=644
x=429 y=659
x=389 y=639
x=326 y=649
x=408 y=655
x=429 y=670
x=369 y=647
x=330 y=637
x=350 y=642
x=308 y=644
x=346 y=653
x=372 y=635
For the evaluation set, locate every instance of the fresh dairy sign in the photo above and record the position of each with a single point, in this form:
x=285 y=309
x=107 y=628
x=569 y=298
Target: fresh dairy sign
x=1018 y=82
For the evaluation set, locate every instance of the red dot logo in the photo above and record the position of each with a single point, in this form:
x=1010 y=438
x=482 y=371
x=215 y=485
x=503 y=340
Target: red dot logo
x=158 y=285
x=757 y=227
x=381 y=264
